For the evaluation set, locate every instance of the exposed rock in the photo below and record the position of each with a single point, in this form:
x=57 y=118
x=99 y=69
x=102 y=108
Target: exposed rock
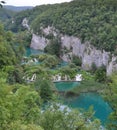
x=38 y=42
x=112 y=66
x=25 y=24
x=88 y=53
x=50 y=30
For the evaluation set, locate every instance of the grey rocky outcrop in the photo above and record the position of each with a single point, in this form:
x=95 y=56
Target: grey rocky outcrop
x=85 y=51
x=38 y=42
x=25 y=24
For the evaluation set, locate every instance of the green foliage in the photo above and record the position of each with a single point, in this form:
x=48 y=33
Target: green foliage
x=7 y=55
x=76 y=60
x=110 y=95
x=88 y=86
x=44 y=88
x=67 y=70
x=23 y=37
x=53 y=48
x=100 y=74
x=56 y=119
x=20 y=109
x=51 y=61
x=93 y=68
x=17 y=107
x=90 y=20
x=15 y=75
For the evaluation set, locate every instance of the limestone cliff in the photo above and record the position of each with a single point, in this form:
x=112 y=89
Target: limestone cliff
x=38 y=42
x=88 y=53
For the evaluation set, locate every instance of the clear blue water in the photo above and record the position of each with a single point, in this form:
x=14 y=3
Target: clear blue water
x=30 y=51
x=64 y=86
x=85 y=100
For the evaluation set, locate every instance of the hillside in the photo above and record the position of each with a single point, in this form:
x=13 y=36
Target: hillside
x=6 y=14
x=17 y=8
x=89 y=20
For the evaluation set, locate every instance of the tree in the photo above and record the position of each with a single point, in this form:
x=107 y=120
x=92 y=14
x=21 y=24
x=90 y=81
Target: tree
x=76 y=60
x=54 y=47
x=44 y=88
x=58 y=117
x=7 y=55
x=110 y=95
x=19 y=107
x=100 y=74
x=15 y=75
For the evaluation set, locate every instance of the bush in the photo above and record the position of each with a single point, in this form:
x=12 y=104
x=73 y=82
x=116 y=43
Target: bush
x=100 y=74
x=44 y=88
x=76 y=60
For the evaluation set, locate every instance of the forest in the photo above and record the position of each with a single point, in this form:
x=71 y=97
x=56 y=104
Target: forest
x=89 y=20
x=27 y=105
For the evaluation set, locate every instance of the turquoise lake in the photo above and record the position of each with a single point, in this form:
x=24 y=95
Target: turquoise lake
x=30 y=51
x=85 y=100
x=64 y=86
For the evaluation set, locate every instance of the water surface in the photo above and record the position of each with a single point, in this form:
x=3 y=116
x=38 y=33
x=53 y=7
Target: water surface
x=64 y=86
x=30 y=51
x=85 y=100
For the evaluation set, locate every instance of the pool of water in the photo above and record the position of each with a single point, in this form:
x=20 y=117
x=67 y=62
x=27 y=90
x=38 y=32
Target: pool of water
x=30 y=51
x=85 y=100
x=64 y=86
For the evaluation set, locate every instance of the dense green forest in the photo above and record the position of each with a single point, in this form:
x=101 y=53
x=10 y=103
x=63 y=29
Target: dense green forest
x=22 y=102
x=6 y=14
x=90 y=20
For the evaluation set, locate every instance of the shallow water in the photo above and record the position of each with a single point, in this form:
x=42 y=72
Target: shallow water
x=64 y=86
x=30 y=51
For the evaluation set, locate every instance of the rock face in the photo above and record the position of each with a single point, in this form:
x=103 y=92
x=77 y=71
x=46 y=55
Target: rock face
x=38 y=42
x=25 y=24
x=88 y=54
x=85 y=51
